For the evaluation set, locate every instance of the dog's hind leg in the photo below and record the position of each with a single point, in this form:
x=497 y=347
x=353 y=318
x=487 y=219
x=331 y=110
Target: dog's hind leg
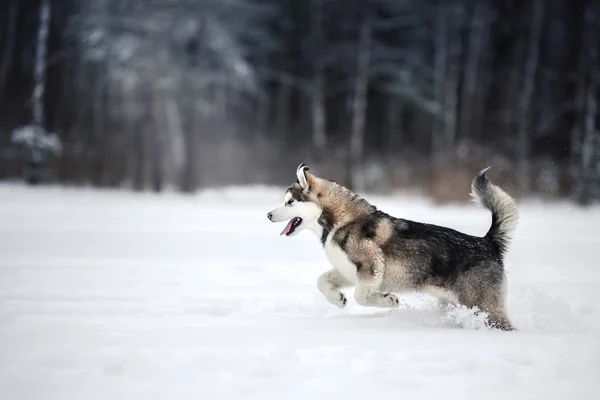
x=368 y=288
x=330 y=283
x=488 y=295
x=493 y=303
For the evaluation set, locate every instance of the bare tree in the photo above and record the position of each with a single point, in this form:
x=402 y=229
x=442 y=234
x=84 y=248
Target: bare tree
x=526 y=95
x=440 y=68
x=359 y=104
x=589 y=186
x=578 y=105
x=9 y=45
x=476 y=40
x=40 y=63
x=455 y=49
x=319 y=113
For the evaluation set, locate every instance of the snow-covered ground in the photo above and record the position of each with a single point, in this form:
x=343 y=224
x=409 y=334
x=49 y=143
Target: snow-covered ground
x=107 y=295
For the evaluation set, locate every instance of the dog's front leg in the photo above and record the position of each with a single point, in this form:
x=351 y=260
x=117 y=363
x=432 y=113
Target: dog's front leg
x=330 y=283
x=368 y=286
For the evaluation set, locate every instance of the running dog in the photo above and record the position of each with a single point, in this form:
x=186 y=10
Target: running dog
x=379 y=254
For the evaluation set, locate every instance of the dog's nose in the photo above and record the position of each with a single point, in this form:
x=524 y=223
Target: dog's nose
x=270 y=216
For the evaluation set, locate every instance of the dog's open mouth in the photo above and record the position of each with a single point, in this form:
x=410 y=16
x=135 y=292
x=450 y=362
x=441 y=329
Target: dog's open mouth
x=291 y=226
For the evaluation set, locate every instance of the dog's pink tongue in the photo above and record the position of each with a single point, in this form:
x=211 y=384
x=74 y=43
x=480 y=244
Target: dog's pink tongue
x=287 y=228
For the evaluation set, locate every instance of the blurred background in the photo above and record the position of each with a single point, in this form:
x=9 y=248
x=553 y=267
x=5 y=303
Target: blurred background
x=380 y=95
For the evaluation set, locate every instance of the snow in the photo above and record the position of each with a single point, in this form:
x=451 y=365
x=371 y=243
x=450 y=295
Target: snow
x=35 y=136
x=110 y=295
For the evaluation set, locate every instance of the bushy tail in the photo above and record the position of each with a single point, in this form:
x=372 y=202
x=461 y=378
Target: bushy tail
x=503 y=208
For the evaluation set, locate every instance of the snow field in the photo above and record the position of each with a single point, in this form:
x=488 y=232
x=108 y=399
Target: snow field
x=108 y=295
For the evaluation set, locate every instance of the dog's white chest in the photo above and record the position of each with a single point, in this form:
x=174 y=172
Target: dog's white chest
x=340 y=261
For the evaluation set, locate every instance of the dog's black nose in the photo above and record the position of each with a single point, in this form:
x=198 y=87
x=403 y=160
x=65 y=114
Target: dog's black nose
x=270 y=216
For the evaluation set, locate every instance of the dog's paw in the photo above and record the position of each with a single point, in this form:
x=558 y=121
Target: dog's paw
x=339 y=300
x=393 y=299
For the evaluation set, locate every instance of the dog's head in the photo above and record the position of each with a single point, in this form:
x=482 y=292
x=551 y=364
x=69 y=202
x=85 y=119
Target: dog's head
x=315 y=204
x=300 y=204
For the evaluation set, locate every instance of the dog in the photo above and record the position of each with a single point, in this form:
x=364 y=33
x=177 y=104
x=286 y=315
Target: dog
x=378 y=254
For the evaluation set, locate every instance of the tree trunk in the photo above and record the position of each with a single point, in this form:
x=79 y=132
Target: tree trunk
x=591 y=109
x=455 y=49
x=284 y=95
x=451 y=108
x=394 y=127
x=158 y=140
x=9 y=45
x=319 y=139
x=40 y=63
x=97 y=149
x=440 y=67
x=469 y=98
x=221 y=100
x=359 y=106
x=190 y=178
x=262 y=116
x=528 y=87
x=117 y=166
x=139 y=156
x=176 y=140
x=590 y=136
x=578 y=123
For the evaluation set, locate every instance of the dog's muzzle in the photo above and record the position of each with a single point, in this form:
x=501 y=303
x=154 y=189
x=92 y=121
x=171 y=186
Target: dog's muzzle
x=270 y=216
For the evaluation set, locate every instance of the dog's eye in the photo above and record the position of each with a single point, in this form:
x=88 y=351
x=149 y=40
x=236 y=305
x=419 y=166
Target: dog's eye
x=289 y=202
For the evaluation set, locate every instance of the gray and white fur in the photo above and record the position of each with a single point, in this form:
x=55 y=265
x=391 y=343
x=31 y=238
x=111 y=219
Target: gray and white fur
x=379 y=254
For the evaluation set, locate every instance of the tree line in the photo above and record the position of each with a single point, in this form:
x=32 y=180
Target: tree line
x=378 y=94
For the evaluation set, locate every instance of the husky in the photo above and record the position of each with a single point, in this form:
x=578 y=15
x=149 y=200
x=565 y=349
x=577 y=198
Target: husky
x=378 y=254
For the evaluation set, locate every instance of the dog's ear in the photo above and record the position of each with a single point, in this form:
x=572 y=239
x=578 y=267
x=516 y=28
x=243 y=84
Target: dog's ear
x=302 y=176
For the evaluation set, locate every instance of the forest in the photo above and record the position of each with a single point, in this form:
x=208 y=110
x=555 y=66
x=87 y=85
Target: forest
x=380 y=95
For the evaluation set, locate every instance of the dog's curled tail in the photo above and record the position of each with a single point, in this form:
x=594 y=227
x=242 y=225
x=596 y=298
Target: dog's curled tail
x=503 y=209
